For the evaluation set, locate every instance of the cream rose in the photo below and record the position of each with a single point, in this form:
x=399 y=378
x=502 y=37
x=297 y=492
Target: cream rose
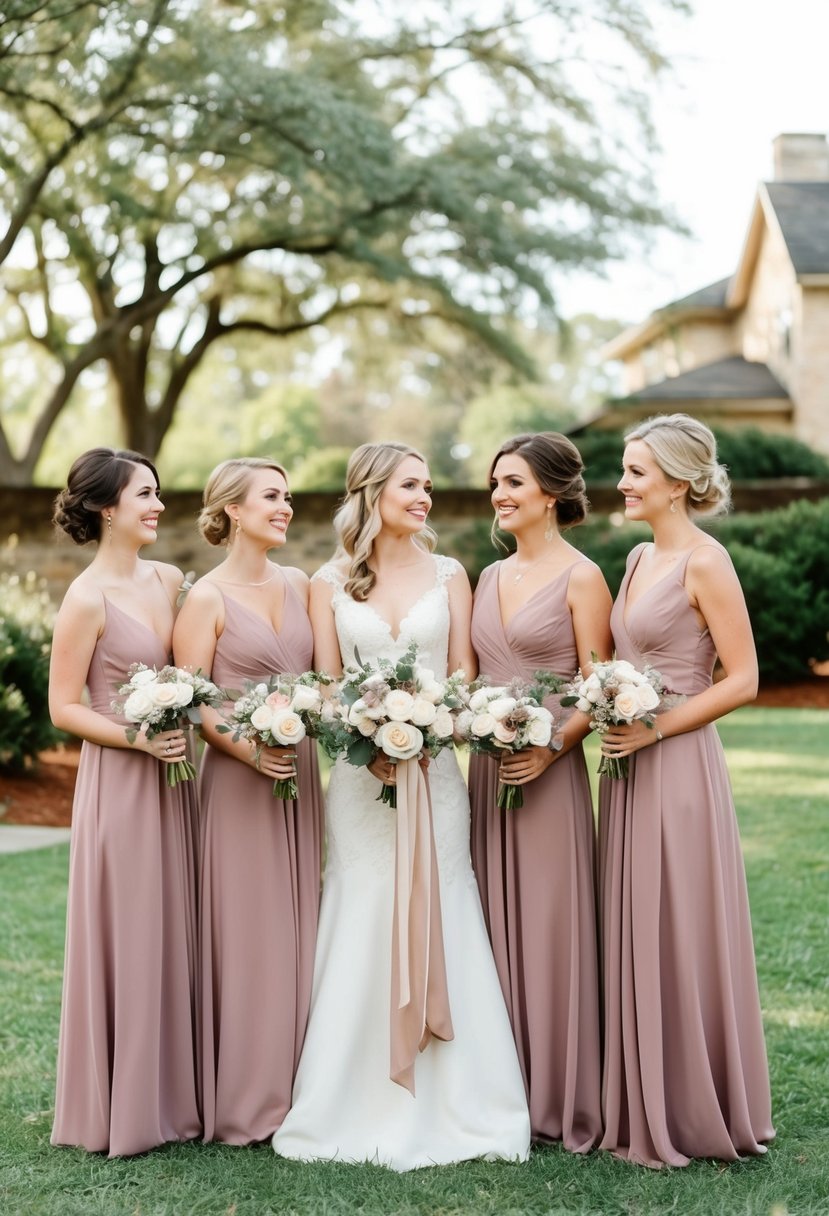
x=184 y=693
x=423 y=712
x=138 y=706
x=503 y=733
x=626 y=703
x=647 y=696
x=287 y=727
x=262 y=718
x=443 y=725
x=399 y=740
x=482 y=725
x=398 y=705
x=165 y=696
x=306 y=699
x=502 y=707
x=365 y=725
x=277 y=700
x=539 y=731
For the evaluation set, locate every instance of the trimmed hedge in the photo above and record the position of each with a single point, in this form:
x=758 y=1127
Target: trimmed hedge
x=25 y=646
x=781 y=558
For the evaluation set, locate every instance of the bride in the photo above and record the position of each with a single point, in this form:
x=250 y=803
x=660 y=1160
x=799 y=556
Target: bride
x=464 y=1096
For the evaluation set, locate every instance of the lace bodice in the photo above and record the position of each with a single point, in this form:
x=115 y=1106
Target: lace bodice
x=426 y=623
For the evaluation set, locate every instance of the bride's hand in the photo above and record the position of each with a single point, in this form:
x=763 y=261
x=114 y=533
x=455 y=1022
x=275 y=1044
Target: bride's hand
x=517 y=768
x=383 y=769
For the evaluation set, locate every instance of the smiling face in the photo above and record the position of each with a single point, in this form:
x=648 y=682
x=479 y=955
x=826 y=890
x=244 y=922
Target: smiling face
x=406 y=498
x=518 y=499
x=135 y=515
x=266 y=510
x=648 y=492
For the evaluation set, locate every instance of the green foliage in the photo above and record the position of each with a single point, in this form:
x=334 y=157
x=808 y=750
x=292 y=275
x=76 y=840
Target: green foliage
x=780 y=773
x=178 y=174
x=25 y=645
x=323 y=469
x=749 y=454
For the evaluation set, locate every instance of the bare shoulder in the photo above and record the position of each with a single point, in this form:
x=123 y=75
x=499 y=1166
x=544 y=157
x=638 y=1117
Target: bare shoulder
x=298 y=580
x=204 y=592
x=84 y=596
x=586 y=576
x=170 y=575
x=709 y=560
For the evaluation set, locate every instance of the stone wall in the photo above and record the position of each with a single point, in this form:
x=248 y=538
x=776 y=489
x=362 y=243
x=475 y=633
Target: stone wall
x=28 y=541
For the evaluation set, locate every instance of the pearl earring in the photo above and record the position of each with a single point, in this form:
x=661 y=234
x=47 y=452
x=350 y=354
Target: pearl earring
x=109 y=526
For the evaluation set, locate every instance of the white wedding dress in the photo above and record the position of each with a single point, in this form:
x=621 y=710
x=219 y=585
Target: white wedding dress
x=470 y=1096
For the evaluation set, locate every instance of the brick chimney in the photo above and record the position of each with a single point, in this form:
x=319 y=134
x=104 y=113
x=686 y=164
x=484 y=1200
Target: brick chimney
x=801 y=158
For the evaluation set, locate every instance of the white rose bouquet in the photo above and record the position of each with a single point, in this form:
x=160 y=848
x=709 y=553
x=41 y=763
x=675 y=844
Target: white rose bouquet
x=508 y=718
x=166 y=699
x=399 y=709
x=278 y=712
x=614 y=694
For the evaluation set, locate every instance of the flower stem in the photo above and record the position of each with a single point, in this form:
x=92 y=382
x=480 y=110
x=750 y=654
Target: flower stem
x=388 y=794
x=285 y=788
x=510 y=797
x=182 y=770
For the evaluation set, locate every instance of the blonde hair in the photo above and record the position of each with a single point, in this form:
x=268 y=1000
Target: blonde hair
x=229 y=483
x=358 y=521
x=685 y=450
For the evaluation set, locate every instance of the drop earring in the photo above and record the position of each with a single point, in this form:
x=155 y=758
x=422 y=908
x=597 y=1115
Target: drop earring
x=109 y=526
x=673 y=506
x=238 y=528
x=549 y=531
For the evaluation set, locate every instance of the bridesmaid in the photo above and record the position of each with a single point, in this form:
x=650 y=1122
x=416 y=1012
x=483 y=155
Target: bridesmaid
x=126 y=1065
x=685 y=1071
x=260 y=856
x=546 y=606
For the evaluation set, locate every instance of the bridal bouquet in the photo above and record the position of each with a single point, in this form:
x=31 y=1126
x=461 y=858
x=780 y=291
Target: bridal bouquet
x=165 y=699
x=278 y=712
x=397 y=709
x=614 y=694
x=508 y=718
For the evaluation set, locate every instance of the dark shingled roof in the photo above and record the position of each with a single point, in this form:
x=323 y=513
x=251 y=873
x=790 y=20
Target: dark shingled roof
x=802 y=210
x=731 y=378
x=712 y=296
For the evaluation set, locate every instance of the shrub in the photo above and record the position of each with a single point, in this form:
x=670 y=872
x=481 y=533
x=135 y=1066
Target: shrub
x=25 y=646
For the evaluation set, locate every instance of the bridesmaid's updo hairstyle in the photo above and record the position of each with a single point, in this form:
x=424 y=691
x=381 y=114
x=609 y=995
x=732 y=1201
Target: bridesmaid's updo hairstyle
x=358 y=521
x=558 y=468
x=229 y=483
x=95 y=482
x=685 y=450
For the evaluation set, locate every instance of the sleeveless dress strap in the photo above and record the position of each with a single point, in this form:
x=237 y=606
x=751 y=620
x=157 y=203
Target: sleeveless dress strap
x=447 y=567
x=331 y=575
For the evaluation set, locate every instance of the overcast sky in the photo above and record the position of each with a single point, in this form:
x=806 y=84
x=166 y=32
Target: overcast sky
x=744 y=71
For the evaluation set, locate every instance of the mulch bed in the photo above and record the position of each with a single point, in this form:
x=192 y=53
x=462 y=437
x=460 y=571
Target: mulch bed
x=44 y=796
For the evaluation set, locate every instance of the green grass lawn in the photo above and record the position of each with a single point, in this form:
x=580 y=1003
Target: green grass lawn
x=780 y=766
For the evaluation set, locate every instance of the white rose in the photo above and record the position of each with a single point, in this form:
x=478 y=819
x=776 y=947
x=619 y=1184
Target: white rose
x=138 y=706
x=261 y=690
x=481 y=699
x=165 y=696
x=143 y=677
x=306 y=698
x=400 y=740
x=184 y=693
x=626 y=704
x=647 y=696
x=434 y=691
x=287 y=727
x=356 y=711
x=502 y=707
x=423 y=712
x=397 y=705
x=539 y=731
x=443 y=726
x=261 y=718
x=625 y=671
x=591 y=689
x=424 y=676
x=463 y=723
x=482 y=725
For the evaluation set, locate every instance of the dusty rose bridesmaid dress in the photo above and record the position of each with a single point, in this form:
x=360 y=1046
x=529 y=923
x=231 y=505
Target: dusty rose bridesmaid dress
x=126 y=1057
x=535 y=871
x=685 y=1072
x=260 y=890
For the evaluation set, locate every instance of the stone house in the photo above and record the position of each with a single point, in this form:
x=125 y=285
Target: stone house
x=751 y=349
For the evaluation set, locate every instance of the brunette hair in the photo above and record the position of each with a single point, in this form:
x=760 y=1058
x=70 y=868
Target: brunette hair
x=558 y=468
x=358 y=521
x=685 y=450
x=96 y=481
x=228 y=483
